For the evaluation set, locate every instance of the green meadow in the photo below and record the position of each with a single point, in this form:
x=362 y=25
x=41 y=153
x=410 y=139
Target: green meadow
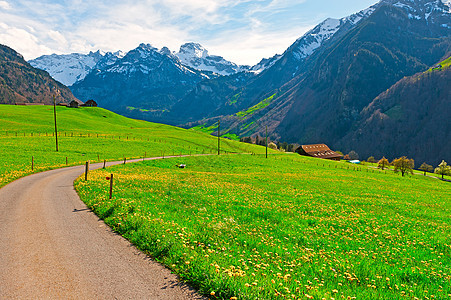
x=242 y=226
x=288 y=227
x=91 y=134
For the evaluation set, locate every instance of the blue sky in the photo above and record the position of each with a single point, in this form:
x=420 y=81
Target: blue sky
x=242 y=31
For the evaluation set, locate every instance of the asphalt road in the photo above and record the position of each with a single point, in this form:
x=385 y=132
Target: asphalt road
x=53 y=247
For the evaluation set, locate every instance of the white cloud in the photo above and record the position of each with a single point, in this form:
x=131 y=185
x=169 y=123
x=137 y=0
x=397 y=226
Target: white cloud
x=22 y=41
x=243 y=31
x=244 y=47
x=5 y=5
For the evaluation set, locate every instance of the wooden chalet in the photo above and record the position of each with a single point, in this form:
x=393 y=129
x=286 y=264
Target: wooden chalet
x=90 y=103
x=73 y=104
x=318 y=151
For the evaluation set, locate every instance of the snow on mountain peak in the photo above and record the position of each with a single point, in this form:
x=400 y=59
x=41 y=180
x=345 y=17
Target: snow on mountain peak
x=264 y=64
x=193 y=50
x=312 y=40
x=70 y=68
x=196 y=56
x=430 y=10
x=119 y=53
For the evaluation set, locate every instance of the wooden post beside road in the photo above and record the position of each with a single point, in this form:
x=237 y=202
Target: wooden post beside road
x=54 y=116
x=219 y=136
x=32 y=163
x=86 y=170
x=111 y=186
x=266 y=141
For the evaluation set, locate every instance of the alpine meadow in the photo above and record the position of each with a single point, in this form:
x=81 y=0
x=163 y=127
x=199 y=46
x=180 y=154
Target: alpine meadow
x=137 y=164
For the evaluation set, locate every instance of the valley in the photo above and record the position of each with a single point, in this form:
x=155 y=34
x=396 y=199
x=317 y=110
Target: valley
x=325 y=83
x=159 y=174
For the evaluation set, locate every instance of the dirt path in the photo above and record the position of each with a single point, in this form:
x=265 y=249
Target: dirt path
x=53 y=247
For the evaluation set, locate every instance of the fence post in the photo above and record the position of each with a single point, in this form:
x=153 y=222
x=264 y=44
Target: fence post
x=86 y=170
x=32 y=163
x=66 y=161
x=104 y=163
x=111 y=186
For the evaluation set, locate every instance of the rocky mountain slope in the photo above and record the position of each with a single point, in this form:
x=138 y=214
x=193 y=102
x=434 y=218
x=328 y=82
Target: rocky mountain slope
x=145 y=80
x=411 y=118
x=318 y=96
x=227 y=96
x=72 y=68
x=21 y=83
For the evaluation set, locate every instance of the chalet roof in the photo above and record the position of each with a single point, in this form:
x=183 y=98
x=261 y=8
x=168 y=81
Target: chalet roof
x=320 y=151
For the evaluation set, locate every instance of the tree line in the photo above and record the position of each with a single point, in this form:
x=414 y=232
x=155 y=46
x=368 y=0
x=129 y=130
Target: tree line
x=258 y=140
x=406 y=165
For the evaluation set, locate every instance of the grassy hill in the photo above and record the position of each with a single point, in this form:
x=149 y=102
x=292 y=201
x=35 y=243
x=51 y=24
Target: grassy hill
x=90 y=134
x=241 y=225
x=286 y=227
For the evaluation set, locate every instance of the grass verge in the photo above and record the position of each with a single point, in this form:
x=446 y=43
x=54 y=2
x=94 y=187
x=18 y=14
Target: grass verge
x=284 y=227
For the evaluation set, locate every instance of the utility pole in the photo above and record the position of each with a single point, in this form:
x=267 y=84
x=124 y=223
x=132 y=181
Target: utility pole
x=266 y=141
x=56 y=129
x=219 y=138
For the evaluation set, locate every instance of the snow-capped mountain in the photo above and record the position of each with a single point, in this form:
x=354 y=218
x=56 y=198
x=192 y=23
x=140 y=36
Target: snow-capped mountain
x=264 y=64
x=433 y=11
x=146 y=59
x=196 y=56
x=70 y=68
x=109 y=59
x=146 y=80
x=315 y=38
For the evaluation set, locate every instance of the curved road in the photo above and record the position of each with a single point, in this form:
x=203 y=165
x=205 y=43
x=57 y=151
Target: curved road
x=53 y=247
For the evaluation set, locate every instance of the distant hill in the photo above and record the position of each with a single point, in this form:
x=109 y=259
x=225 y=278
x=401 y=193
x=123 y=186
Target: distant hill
x=411 y=118
x=21 y=83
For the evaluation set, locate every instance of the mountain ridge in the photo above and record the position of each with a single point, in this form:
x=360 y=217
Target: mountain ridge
x=22 y=83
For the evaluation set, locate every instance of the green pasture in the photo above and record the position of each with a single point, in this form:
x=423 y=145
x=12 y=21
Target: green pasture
x=91 y=134
x=286 y=227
